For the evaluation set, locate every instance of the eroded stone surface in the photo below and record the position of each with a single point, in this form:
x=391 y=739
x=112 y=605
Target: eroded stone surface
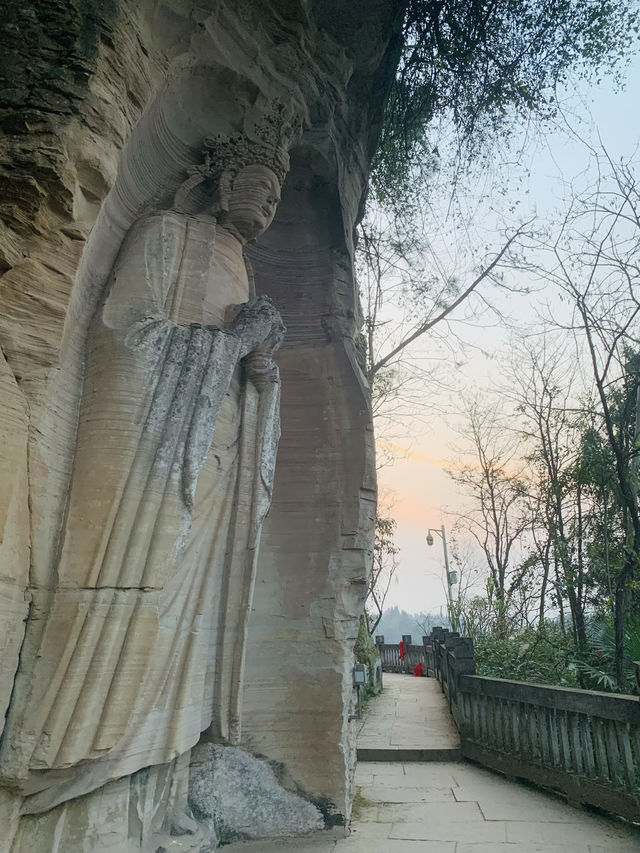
x=126 y=660
x=14 y=529
x=173 y=470
x=241 y=797
x=145 y=812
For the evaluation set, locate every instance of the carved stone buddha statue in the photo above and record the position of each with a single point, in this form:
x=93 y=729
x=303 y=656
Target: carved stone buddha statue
x=140 y=648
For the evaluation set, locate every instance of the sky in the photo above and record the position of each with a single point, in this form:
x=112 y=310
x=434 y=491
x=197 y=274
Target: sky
x=416 y=486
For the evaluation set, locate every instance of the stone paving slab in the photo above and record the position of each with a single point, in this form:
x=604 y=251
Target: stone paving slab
x=484 y=814
x=323 y=842
x=391 y=817
x=390 y=845
x=381 y=794
x=445 y=806
x=447 y=831
x=409 y=721
x=394 y=753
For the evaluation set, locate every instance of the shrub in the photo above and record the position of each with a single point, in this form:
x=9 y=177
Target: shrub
x=541 y=655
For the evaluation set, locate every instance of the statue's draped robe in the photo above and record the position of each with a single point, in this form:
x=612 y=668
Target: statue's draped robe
x=142 y=645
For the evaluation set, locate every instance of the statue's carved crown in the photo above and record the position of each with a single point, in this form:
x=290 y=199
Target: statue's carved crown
x=225 y=156
x=261 y=143
x=234 y=153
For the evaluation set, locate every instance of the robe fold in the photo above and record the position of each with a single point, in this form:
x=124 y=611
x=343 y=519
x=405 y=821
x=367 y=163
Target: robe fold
x=142 y=649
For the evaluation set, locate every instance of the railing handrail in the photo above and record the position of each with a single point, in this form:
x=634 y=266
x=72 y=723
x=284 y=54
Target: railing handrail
x=581 y=742
x=414 y=653
x=623 y=708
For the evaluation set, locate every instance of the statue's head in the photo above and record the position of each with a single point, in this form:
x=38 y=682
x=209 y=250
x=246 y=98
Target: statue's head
x=251 y=200
x=239 y=182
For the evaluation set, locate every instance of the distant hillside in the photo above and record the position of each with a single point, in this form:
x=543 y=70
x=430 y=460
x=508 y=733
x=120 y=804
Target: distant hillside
x=395 y=623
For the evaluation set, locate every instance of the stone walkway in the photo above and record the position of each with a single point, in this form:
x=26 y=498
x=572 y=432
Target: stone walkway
x=460 y=808
x=410 y=721
x=431 y=806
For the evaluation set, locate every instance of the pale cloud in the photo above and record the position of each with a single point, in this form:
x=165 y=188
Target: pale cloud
x=402 y=451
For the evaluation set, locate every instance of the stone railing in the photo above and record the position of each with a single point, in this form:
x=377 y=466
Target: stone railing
x=581 y=743
x=453 y=657
x=390 y=655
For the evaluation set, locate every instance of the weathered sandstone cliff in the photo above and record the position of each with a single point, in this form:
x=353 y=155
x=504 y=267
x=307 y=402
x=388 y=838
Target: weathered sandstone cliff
x=147 y=603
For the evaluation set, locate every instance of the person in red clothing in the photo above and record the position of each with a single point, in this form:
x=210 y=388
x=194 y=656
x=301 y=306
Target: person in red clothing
x=401 y=647
x=418 y=670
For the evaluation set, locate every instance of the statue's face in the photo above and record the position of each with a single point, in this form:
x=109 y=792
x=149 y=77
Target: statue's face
x=253 y=200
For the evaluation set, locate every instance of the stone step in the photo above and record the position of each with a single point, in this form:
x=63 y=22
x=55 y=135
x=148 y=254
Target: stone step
x=409 y=754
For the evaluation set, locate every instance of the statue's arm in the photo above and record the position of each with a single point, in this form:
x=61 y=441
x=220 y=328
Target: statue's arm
x=145 y=281
x=145 y=277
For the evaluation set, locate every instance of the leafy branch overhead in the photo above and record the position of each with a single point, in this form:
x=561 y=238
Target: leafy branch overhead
x=484 y=65
x=383 y=569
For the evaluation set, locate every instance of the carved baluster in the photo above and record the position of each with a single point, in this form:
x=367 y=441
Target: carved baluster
x=533 y=733
x=613 y=752
x=553 y=736
x=628 y=766
x=603 y=771
x=566 y=746
x=587 y=745
x=543 y=734
x=574 y=729
x=515 y=726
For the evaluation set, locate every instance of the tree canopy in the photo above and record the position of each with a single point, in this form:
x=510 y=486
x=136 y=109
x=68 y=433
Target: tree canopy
x=486 y=64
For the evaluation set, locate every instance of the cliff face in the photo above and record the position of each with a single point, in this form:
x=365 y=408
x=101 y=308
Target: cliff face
x=104 y=109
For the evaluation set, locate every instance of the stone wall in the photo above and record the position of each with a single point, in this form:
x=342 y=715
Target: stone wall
x=316 y=541
x=104 y=109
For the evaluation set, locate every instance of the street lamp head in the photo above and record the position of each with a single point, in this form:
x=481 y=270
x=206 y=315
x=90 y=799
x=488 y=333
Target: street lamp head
x=429 y=538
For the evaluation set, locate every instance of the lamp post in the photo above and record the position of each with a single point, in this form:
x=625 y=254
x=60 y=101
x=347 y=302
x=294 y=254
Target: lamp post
x=451 y=576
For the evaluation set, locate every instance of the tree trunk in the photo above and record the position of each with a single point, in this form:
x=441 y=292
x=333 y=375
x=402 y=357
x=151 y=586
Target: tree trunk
x=545 y=581
x=620 y=600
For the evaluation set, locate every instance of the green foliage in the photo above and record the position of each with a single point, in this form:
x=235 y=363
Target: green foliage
x=476 y=616
x=547 y=655
x=487 y=64
x=365 y=651
x=599 y=667
x=383 y=568
x=542 y=656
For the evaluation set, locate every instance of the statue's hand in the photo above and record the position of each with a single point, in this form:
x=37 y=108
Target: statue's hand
x=259 y=327
x=261 y=370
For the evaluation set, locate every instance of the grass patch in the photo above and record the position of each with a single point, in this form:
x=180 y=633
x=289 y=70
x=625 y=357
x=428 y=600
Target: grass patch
x=360 y=803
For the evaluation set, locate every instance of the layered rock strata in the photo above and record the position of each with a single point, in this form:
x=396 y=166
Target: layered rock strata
x=146 y=601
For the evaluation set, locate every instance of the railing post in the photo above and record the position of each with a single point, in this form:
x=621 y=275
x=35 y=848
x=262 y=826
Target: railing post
x=406 y=639
x=438 y=634
x=427 y=644
x=465 y=662
x=444 y=669
x=465 y=665
x=460 y=661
